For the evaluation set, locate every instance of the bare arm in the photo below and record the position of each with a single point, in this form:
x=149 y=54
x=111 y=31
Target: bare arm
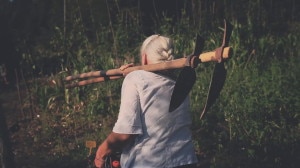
x=113 y=142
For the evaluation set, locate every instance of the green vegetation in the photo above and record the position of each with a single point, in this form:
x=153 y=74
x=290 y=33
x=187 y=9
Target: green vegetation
x=254 y=123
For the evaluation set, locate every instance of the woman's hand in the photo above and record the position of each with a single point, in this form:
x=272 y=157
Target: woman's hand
x=102 y=152
x=99 y=162
x=100 y=158
x=123 y=67
x=114 y=142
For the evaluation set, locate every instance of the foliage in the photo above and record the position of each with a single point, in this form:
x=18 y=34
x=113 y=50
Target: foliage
x=254 y=123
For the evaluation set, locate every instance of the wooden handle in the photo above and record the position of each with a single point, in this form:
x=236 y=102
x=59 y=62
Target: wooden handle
x=83 y=75
x=178 y=63
x=211 y=56
x=174 y=64
x=90 y=81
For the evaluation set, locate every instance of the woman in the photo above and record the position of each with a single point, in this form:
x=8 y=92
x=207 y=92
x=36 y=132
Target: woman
x=146 y=132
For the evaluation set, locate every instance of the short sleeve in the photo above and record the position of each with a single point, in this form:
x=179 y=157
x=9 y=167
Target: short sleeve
x=129 y=119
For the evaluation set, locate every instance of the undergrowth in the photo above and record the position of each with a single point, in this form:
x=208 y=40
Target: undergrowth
x=254 y=122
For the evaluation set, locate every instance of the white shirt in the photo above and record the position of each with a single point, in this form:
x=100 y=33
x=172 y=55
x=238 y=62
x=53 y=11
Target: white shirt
x=164 y=138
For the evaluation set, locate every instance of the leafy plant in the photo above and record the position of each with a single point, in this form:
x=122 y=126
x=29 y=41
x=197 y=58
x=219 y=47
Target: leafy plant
x=254 y=122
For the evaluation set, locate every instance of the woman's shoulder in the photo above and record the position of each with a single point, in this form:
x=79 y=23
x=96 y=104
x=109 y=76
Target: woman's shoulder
x=138 y=74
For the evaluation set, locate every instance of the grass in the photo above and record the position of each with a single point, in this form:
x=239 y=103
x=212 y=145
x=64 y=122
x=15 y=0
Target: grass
x=254 y=123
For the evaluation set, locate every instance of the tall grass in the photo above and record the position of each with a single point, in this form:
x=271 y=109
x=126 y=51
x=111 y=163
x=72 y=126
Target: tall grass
x=254 y=123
